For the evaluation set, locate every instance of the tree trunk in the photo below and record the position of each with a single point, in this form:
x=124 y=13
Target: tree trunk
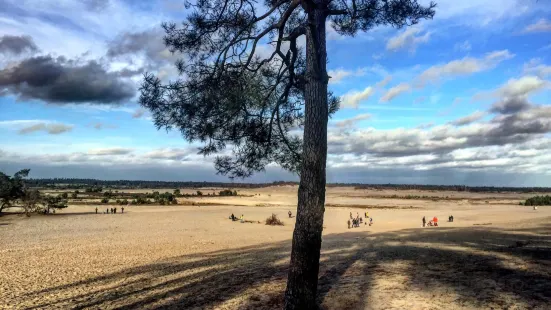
x=302 y=280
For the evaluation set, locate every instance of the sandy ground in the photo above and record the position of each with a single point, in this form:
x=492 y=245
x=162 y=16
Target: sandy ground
x=186 y=257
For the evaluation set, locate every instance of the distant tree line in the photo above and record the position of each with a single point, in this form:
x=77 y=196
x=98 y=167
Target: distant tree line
x=95 y=186
x=538 y=201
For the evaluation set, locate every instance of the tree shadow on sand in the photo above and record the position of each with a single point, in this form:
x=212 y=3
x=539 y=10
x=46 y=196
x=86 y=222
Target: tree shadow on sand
x=477 y=267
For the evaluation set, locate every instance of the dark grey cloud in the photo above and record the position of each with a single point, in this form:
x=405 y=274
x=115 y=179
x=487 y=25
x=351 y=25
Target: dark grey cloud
x=521 y=127
x=130 y=72
x=510 y=105
x=62 y=81
x=111 y=151
x=17 y=45
x=149 y=42
x=50 y=128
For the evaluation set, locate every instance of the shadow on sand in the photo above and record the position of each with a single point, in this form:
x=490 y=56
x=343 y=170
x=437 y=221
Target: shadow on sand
x=478 y=267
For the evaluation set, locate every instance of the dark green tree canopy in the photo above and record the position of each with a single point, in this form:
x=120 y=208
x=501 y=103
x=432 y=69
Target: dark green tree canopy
x=230 y=95
x=12 y=188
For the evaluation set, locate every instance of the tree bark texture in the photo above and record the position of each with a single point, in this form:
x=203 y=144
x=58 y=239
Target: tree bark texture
x=302 y=279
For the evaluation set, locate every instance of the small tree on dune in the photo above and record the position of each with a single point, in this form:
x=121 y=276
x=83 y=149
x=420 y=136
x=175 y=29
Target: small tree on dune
x=12 y=188
x=234 y=96
x=53 y=203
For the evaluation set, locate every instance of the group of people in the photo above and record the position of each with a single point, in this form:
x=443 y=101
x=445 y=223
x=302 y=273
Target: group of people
x=110 y=210
x=356 y=221
x=234 y=218
x=434 y=221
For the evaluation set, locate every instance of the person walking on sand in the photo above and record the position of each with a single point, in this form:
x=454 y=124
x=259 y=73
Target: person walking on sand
x=242 y=219
x=290 y=214
x=424 y=221
x=348 y=224
x=96 y=210
x=122 y=209
x=351 y=215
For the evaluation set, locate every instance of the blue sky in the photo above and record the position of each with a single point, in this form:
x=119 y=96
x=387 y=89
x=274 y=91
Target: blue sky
x=463 y=98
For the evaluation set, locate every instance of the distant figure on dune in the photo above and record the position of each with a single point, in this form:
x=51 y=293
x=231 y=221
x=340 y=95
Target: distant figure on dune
x=242 y=219
x=122 y=209
x=107 y=211
x=435 y=221
x=96 y=210
x=290 y=214
x=351 y=215
x=424 y=221
x=370 y=221
x=348 y=224
x=232 y=217
x=115 y=210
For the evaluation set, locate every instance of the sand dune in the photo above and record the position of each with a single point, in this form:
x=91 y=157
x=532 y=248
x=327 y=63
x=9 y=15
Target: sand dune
x=187 y=257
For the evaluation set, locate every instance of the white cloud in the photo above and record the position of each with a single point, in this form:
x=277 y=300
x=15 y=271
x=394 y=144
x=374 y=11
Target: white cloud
x=395 y=91
x=337 y=75
x=535 y=66
x=352 y=121
x=462 y=67
x=24 y=127
x=522 y=86
x=463 y=46
x=384 y=82
x=50 y=128
x=138 y=113
x=353 y=98
x=425 y=125
x=542 y=25
x=169 y=154
x=408 y=39
x=477 y=115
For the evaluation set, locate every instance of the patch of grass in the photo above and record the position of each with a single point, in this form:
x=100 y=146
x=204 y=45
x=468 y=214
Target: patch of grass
x=274 y=220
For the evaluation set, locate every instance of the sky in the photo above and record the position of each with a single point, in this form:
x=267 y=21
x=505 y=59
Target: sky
x=464 y=98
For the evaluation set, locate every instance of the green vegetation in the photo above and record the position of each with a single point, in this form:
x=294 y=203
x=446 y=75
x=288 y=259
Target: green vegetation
x=53 y=203
x=227 y=192
x=12 y=189
x=538 y=201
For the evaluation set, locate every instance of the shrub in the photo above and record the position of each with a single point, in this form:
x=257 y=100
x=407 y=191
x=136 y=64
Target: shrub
x=227 y=192
x=538 y=201
x=274 y=220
